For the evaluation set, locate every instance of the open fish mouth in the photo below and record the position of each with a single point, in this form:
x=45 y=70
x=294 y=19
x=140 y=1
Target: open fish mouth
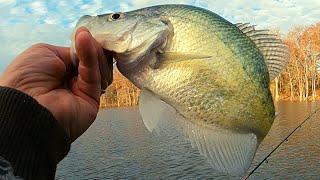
x=128 y=53
x=118 y=42
x=133 y=57
x=153 y=42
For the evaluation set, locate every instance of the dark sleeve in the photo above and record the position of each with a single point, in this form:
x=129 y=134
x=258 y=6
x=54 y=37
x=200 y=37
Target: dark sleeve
x=30 y=138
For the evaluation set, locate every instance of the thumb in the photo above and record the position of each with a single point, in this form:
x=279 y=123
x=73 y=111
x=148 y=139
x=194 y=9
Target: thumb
x=88 y=82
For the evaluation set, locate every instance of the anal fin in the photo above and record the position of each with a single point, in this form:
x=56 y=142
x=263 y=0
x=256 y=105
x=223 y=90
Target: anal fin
x=227 y=151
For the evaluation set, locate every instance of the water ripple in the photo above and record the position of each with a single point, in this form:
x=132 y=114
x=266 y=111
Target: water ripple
x=118 y=146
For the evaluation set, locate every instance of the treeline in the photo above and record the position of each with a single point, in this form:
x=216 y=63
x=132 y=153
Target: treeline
x=300 y=81
x=121 y=93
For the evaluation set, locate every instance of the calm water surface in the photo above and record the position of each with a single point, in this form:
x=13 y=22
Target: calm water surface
x=118 y=146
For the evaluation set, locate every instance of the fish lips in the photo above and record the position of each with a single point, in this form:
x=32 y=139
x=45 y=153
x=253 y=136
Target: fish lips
x=117 y=42
x=157 y=42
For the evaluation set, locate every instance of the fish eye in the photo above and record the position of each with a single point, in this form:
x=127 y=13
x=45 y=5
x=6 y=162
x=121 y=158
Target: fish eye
x=115 y=16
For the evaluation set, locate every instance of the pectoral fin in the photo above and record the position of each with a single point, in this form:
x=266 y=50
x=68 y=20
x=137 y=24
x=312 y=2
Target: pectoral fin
x=165 y=58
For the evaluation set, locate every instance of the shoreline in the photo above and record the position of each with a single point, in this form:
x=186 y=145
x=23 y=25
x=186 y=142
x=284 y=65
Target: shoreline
x=287 y=99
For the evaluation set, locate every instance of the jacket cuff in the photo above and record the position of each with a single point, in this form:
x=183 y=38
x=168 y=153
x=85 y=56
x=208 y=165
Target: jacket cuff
x=30 y=136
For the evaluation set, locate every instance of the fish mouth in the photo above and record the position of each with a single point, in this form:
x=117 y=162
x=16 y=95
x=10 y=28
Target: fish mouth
x=117 y=42
x=127 y=50
x=155 y=44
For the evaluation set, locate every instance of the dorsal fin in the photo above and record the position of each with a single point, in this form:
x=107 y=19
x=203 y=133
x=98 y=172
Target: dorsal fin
x=275 y=52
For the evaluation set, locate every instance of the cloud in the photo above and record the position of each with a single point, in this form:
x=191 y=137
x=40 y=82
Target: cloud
x=282 y=14
x=6 y=2
x=20 y=36
x=16 y=38
x=144 y=3
x=124 y=7
x=94 y=8
x=51 y=20
x=25 y=22
x=38 y=7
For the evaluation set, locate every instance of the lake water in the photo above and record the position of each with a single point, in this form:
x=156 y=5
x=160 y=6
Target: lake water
x=118 y=146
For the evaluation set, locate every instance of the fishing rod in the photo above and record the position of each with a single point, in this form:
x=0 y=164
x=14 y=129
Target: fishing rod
x=284 y=140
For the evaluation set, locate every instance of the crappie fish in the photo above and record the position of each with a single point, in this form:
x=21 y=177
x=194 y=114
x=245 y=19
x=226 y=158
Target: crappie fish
x=199 y=74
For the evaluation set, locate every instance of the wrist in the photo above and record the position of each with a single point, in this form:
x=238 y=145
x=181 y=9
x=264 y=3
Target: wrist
x=29 y=131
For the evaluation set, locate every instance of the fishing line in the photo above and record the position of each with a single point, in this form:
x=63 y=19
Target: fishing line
x=284 y=140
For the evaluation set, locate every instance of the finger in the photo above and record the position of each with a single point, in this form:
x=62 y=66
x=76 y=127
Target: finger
x=89 y=78
x=86 y=46
x=64 y=54
x=61 y=52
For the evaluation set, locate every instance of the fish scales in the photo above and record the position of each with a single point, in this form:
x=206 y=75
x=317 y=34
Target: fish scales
x=200 y=75
x=222 y=89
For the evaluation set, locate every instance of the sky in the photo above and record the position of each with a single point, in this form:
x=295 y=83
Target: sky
x=26 y=22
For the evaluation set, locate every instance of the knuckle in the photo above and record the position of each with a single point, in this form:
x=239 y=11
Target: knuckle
x=38 y=45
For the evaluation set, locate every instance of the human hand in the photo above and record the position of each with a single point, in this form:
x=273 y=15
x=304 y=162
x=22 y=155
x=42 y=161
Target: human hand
x=46 y=73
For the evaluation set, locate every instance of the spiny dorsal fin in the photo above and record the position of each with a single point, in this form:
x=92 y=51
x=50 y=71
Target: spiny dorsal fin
x=275 y=52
